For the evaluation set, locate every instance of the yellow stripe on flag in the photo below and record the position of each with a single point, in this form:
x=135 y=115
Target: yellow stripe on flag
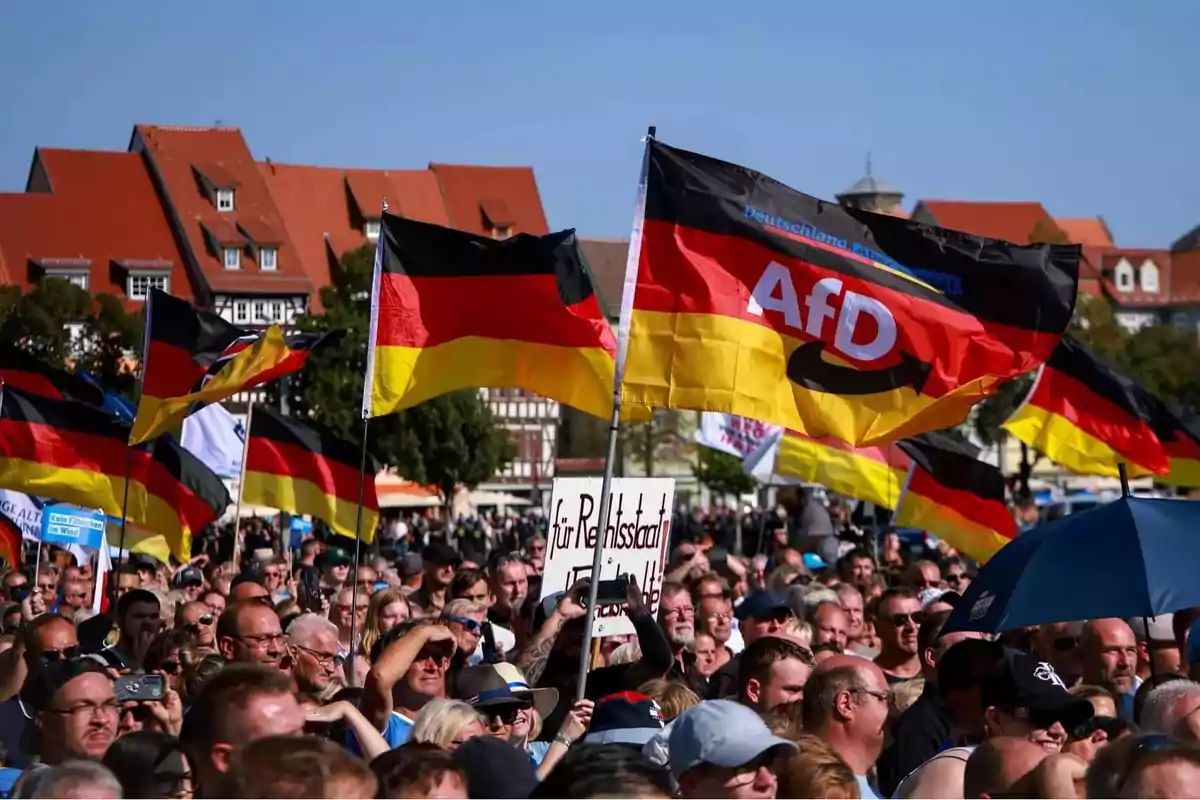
x=976 y=541
x=299 y=496
x=1062 y=442
x=844 y=472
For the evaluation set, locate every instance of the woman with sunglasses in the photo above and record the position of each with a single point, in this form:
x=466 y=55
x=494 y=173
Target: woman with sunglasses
x=465 y=619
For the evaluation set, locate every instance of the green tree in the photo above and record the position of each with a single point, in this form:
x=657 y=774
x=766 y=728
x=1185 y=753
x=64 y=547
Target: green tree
x=722 y=473
x=110 y=338
x=448 y=441
x=661 y=439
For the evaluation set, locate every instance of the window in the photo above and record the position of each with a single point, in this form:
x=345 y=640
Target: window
x=233 y=258
x=79 y=279
x=371 y=229
x=241 y=312
x=1123 y=276
x=258 y=311
x=501 y=232
x=224 y=199
x=139 y=286
x=267 y=259
x=1148 y=276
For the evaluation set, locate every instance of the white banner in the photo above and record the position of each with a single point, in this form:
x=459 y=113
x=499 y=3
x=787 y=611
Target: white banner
x=635 y=542
x=732 y=434
x=23 y=510
x=216 y=437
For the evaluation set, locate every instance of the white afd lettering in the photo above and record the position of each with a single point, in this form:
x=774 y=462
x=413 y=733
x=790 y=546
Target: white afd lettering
x=775 y=276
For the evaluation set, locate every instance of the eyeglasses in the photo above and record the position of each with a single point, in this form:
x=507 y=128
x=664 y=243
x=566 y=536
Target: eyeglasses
x=65 y=654
x=884 y=695
x=472 y=625
x=900 y=620
x=262 y=640
x=324 y=660
x=683 y=612
x=89 y=709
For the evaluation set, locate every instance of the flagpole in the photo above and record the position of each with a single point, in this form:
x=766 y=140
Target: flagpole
x=362 y=483
x=237 y=513
x=631 y=265
x=137 y=401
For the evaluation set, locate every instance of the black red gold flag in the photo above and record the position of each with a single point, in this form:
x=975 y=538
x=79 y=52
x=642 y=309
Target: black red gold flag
x=451 y=310
x=193 y=358
x=10 y=541
x=872 y=473
x=31 y=374
x=754 y=299
x=1083 y=414
x=75 y=453
x=955 y=496
x=304 y=468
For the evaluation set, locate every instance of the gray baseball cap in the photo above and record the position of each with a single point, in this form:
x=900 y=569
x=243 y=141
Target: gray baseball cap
x=723 y=733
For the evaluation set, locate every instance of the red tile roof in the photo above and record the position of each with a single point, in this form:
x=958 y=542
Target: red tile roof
x=321 y=207
x=1088 y=231
x=1013 y=222
x=470 y=193
x=89 y=207
x=174 y=153
x=1171 y=290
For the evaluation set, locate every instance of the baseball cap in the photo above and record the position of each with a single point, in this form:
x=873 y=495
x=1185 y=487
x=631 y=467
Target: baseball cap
x=720 y=732
x=189 y=576
x=761 y=604
x=410 y=564
x=1161 y=628
x=1033 y=690
x=336 y=557
x=624 y=718
x=55 y=676
x=440 y=553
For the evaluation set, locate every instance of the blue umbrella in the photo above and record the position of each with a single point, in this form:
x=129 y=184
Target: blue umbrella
x=1133 y=557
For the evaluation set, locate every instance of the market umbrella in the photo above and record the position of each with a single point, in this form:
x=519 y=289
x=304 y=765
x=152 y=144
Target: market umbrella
x=1133 y=557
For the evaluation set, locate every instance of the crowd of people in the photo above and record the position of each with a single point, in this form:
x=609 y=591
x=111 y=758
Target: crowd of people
x=438 y=670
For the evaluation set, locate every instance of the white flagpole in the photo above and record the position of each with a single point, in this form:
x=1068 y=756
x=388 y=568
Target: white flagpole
x=631 y=272
x=237 y=519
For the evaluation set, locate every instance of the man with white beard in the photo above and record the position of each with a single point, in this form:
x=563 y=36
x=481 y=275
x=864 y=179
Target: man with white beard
x=677 y=618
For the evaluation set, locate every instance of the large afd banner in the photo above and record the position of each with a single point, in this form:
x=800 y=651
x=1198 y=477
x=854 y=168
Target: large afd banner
x=636 y=540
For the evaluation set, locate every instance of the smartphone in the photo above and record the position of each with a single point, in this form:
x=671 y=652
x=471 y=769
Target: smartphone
x=613 y=593
x=140 y=687
x=717 y=556
x=309 y=589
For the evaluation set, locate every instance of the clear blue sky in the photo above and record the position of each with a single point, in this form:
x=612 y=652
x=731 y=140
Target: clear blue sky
x=1088 y=106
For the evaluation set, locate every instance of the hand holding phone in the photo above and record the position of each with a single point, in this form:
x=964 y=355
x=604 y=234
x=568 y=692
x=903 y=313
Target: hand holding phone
x=140 y=688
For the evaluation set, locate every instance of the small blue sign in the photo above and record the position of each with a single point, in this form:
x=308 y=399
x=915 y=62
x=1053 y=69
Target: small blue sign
x=301 y=525
x=67 y=525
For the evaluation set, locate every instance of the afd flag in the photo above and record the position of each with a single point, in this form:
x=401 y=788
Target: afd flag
x=217 y=438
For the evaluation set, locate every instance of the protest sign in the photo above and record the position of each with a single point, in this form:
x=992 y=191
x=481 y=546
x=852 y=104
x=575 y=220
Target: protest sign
x=23 y=509
x=732 y=434
x=68 y=525
x=635 y=542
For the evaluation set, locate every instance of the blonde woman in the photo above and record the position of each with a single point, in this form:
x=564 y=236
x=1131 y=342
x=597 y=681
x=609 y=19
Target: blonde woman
x=448 y=723
x=387 y=609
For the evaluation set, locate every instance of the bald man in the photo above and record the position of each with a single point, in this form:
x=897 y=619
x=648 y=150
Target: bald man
x=846 y=702
x=995 y=766
x=1110 y=658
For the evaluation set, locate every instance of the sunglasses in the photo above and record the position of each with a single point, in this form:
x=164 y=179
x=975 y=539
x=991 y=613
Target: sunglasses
x=471 y=625
x=65 y=654
x=507 y=714
x=171 y=667
x=900 y=620
x=205 y=621
x=776 y=615
x=955 y=577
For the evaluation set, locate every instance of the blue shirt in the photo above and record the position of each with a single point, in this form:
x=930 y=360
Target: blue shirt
x=398 y=730
x=865 y=791
x=537 y=752
x=8 y=776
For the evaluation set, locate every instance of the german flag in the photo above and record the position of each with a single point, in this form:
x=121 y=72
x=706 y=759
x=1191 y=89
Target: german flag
x=10 y=541
x=1086 y=416
x=1181 y=440
x=754 y=299
x=954 y=496
x=193 y=358
x=874 y=474
x=78 y=454
x=451 y=310
x=29 y=373
x=303 y=468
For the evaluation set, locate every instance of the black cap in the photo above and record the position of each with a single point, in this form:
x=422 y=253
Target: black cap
x=143 y=561
x=495 y=768
x=410 y=564
x=189 y=576
x=761 y=604
x=1031 y=689
x=55 y=676
x=440 y=553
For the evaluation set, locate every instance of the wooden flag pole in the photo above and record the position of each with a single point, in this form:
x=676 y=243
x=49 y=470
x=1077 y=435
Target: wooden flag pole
x=237 y=513
x=635 y=246
x=362 y=483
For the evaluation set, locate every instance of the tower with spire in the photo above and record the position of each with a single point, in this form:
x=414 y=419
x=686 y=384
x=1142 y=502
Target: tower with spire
x=871 y=194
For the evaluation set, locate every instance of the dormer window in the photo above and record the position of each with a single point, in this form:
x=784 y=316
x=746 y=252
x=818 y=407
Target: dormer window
x=1123 y=276
x=501 y=232
x=1148 y=276
x=233 y=258
x=268 y=259
x=224 y=199
x=371 y=229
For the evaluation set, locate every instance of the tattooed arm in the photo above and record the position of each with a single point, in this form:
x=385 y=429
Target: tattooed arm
x=533 y=658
